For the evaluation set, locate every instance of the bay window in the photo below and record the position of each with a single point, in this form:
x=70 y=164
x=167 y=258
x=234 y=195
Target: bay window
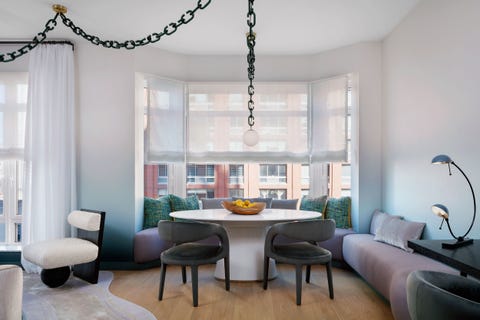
x=304 y=129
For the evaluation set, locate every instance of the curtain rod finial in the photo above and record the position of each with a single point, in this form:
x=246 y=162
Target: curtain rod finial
x=58 y=8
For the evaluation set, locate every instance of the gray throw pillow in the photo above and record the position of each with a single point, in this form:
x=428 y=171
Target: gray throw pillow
x=397 y=232
x=213 y=203
x=284 y=204
x=378 y=218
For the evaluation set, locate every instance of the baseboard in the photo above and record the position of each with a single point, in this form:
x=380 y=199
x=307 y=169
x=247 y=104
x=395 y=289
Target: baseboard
x=127 y=265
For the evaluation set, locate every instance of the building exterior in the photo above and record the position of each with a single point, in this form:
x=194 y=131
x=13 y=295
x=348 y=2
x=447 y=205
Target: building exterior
x=278 y=181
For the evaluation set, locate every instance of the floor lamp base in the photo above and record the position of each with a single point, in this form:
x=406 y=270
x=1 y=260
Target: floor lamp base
x=457 y=244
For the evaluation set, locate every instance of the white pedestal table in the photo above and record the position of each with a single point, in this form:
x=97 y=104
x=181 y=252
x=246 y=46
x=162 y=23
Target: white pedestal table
x=247 y=237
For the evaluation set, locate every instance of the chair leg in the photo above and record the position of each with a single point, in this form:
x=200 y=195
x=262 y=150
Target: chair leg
x=266 y=263
x=298 y=282
x=307 y=274
x=226 y=263
x=163 y=271
x=195 y=284
x=330 y=281
x=184 y=274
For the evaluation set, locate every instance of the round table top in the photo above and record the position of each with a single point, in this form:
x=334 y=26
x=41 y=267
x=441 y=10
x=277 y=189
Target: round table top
x=265 y=215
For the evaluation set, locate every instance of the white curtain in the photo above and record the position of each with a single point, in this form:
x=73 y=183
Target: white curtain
x=50 y=192
x=329 y=120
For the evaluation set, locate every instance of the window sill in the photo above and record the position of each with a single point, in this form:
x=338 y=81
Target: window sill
x=10 y=248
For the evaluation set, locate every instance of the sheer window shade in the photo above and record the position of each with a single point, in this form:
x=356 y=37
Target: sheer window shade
x=329 y=120
x=217 y=113
x=165 y=128
x=13 y=102
x=217 y=119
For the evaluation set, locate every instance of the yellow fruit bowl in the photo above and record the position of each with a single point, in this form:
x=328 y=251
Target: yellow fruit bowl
x=252 y=208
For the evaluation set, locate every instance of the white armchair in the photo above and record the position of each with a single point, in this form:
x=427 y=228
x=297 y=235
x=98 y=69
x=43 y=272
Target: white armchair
x=11 y=282
x=82 y=253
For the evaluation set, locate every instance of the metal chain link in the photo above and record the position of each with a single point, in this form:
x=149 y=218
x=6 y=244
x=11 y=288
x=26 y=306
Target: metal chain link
x=168 y=30
x=251 y=21
x=39 y=38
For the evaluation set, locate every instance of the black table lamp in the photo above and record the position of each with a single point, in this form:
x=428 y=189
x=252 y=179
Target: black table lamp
x=442 y=211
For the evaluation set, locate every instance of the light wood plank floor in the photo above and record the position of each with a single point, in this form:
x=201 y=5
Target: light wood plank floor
x=354 y=299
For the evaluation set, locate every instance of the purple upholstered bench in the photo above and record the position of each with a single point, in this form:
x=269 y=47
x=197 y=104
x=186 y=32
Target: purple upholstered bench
x=147 y=246
x=386 y=267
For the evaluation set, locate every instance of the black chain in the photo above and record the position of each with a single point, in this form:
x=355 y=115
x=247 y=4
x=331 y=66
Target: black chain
x=132 y=44
x=39 y=38
x=128 y=44
x=251 y=20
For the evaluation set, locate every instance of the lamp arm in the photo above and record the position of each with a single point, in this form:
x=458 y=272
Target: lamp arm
x=474 y=202
x=451 y=232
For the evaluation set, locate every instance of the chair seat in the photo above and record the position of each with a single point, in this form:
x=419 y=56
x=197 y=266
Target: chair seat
x=302 y=251
x=57 y=253
x=188 y=252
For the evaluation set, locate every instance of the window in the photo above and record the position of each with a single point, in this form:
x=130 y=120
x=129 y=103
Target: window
x=201 y=193
x=162 y=174
x=236 y=174
x=13 y=100
x=273 y=193
x=236 y=193
x=298 y=122
x=273 y=173
x=200 y=174
x=305 y=174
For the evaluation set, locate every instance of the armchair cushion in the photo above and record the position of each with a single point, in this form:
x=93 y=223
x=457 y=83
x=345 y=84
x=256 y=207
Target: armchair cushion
x=60 y=252
x=11 y=282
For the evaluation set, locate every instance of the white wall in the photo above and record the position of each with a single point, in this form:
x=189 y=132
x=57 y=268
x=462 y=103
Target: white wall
x=432 y=106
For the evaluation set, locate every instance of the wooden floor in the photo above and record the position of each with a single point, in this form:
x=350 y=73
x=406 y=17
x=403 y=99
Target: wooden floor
x=354 y=299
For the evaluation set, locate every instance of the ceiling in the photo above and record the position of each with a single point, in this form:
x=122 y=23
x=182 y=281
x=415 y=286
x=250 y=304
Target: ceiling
x=283 y=27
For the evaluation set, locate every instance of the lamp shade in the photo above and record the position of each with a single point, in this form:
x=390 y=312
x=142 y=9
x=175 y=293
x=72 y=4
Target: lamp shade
x=250 y=137
x=440 y=210
x=441 y=159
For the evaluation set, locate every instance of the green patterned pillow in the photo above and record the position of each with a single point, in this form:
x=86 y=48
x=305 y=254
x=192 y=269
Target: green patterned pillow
x=339 y=210
x=189 y=203
x=313 y=204
x=155 y=210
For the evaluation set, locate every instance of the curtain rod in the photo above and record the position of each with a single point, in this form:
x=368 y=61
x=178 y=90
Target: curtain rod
x=43 y=42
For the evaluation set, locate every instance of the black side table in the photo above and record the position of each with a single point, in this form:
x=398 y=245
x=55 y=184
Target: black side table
x=466 y=259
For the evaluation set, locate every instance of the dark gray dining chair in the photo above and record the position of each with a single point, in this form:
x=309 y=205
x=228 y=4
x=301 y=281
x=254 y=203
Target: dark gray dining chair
x=442 y=296
x=304 y=253
x=187 y=252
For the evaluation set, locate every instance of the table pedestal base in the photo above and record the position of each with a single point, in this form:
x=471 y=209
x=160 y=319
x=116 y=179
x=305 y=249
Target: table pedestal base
x=247 y=242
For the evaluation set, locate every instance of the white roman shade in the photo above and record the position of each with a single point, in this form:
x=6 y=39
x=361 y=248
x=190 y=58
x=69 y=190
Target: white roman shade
x=329 y=120
x=165 y=125
x=217 y=119
x=205 y=122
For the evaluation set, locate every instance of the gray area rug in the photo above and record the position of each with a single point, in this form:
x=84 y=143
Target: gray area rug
x=77 y=299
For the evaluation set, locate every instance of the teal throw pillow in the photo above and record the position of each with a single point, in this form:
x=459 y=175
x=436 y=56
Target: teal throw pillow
x=313 y=204
x=338 y=209
x=179 y=204
x=155 y=210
